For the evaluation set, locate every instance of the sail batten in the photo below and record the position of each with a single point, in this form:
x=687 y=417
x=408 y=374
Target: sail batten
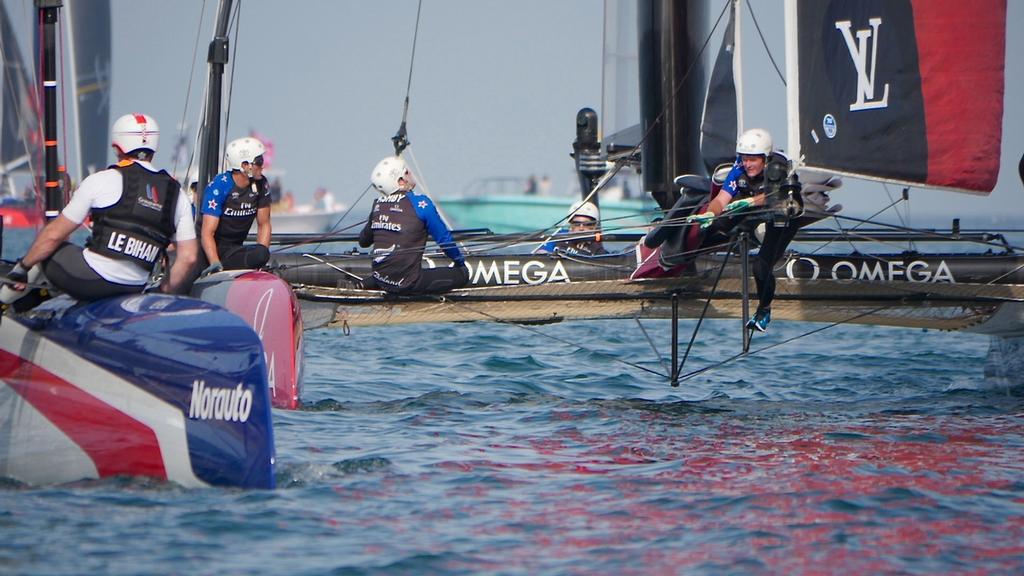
x=19 y=123
x=90 y=41
x=901 y=91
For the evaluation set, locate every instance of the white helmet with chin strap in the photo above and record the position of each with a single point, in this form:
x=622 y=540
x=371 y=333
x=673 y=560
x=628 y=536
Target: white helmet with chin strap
x=242 y=150
x=133 y=132
x=387 y=173
x=583 y=208
x=755 y=141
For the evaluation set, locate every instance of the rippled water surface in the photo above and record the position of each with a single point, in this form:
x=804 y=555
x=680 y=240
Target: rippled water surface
x=492 y=448
x=484 y=448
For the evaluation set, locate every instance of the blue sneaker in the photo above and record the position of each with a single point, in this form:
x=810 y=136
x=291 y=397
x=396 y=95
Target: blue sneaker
x=760 y=320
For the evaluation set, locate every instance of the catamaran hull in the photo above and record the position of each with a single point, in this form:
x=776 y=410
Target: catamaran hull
x=267 y=304
x=951 y=292
x=153 y=386
x=340 y=270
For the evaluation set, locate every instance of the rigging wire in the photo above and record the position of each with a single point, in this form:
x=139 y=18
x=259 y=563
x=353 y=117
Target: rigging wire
x=188 y=95
x=325 y=237
x=765 y=43
x=734 y=357
x=668 y=102
x=237 y=20
x=932 y=233
x=543 y=334
x=707 y=303
x=650 y=341
x=62 y=170
x=400 y=139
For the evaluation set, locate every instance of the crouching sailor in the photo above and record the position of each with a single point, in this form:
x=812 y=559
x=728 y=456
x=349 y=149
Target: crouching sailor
x=397 y=229
x=137 y=211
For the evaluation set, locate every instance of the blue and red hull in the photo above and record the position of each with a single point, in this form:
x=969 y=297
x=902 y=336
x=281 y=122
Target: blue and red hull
x=156 y=386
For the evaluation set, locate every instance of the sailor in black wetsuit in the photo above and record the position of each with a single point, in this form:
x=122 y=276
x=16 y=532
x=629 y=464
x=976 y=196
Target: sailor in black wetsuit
x=743 y=188
x=136 y=210
x=230 y=204
x=397 y=229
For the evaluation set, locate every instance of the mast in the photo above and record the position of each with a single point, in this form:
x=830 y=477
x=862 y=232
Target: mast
x=48 y=13
x=209 y=155
x=670 y=34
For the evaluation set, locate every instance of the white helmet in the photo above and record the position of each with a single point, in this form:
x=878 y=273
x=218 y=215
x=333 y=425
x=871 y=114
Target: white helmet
x=755 y=141
x=588 y=209
x=242 y=150
x=386 y=174
x=133 y=132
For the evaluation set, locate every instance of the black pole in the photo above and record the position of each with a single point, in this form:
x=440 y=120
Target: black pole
x=48 y=14
x=675 y=339
x=672 y=83
x=209 y=155
x=745 y=274
x=590 y=166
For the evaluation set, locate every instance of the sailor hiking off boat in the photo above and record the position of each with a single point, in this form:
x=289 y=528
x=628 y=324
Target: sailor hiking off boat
x=137 y=212
x=397 y=229
x=745 y=187
x=231 y=202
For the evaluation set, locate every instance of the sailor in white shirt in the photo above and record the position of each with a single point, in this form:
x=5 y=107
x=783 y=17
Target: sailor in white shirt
x=137 y=211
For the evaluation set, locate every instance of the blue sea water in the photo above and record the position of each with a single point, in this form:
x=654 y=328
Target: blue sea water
x=492 y=448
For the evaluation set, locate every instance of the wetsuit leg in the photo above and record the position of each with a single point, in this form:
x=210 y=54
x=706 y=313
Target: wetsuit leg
x=776 y=240
x=243 y=257
x=437 y=280
x=67 y=270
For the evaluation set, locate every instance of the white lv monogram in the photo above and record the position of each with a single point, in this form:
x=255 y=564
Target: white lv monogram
x=865 y=76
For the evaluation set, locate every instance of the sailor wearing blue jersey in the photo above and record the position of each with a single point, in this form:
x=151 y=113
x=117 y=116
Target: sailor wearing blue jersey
x=744 y=187
x=397 y=229
x=230 y=204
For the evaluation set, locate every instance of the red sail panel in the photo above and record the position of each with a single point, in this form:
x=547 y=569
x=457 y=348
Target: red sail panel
x=962 y=52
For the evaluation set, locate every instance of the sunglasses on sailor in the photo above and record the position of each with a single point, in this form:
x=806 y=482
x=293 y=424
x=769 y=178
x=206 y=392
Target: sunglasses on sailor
x=583 y=222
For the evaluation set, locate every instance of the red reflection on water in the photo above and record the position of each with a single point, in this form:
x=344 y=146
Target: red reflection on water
x=801 y=495
x=888 y=495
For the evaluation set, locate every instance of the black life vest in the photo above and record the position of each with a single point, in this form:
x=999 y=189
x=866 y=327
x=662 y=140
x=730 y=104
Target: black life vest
x=750 y=187
x=140 y=225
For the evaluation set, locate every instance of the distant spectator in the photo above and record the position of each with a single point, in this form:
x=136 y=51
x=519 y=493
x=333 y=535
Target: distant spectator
x=275 y=191
x=323 y=200
x=545 y=185
x=531 y=185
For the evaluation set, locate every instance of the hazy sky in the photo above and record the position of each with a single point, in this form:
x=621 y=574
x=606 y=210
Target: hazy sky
x=495 y=88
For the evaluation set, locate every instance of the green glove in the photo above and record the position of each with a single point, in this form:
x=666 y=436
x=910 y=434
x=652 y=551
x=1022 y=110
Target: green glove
x=704 y=219
x=739 y=205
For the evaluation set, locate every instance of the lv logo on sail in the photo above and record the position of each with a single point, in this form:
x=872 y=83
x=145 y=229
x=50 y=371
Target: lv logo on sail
x=865 y=76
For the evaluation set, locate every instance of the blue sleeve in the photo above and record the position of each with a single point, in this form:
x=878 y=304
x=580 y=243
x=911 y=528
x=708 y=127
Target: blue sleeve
x=550 y=245
x=729 y=185
x=216 y=193
x=436 y=226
